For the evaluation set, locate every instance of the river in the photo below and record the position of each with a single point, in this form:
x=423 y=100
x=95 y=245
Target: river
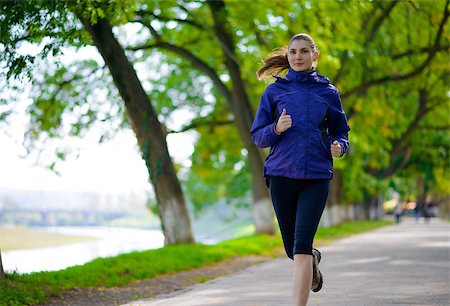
x=111 y=242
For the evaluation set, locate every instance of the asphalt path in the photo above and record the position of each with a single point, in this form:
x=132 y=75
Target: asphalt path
x=404 y=264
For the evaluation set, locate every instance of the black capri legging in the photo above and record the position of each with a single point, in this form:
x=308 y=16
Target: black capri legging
x=298 y=204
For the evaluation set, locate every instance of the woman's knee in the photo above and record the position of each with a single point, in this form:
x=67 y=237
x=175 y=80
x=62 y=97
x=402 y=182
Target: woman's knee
x=303 y=247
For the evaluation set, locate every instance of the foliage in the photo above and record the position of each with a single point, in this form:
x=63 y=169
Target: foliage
x=35 y=35
x=384 y=56
x=51 y=25
x=388 y=117
x=219 y=169
x=25 y=22
x=379 y=60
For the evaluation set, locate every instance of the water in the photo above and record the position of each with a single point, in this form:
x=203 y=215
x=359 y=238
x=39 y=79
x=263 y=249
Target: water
x=112 y=241
x=210 y=229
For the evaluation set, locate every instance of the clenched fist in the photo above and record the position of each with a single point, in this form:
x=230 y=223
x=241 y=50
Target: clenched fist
x=284 y=122
x=336 y=149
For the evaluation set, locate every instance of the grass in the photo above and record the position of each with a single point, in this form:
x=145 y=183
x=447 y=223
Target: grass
x=327 y=235
x=17 y=237
x=35 y=288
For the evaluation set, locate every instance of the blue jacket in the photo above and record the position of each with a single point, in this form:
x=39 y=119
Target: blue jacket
x=303 y=150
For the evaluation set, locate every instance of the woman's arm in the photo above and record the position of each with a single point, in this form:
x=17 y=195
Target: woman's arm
x=337 y=123
x=263 y=129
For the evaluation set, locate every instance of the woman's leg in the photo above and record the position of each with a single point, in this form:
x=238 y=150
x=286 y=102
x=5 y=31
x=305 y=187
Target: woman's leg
x=310 y=206
x=284 y=192
x=302 y=278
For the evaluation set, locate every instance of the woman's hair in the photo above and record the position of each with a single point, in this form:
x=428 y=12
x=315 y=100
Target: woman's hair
x=277 y=61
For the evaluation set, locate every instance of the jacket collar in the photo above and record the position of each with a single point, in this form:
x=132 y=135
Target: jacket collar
x=304 y=76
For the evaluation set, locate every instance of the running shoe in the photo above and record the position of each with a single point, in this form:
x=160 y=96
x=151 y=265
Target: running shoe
x=317 y=280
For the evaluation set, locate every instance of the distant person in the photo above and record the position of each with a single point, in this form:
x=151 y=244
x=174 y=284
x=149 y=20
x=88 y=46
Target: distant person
x=417 y=210
x=430 y=211
x=398 y=211
x=300 y=117
x=426 y=211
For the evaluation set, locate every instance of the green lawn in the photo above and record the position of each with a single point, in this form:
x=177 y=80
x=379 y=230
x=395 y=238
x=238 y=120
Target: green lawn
x=327 y=235
x=35 y=288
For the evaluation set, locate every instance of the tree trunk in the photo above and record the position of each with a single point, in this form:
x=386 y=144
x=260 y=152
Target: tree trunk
x=152 y=141
x=370 y=206
x=335 y=196
x=420 y=193
x=420 y=189
x=262 y=209
x=2 y=273
x=263 y=214
x=333 y=214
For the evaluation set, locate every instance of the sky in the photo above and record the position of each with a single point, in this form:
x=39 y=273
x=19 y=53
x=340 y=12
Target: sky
x=114 y=166
x=101 y=167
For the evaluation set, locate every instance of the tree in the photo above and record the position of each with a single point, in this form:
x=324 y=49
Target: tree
x=388 y=107
x=172 y=207
x=2 y=273
x=214 y=26
x=26 y=15
x=375 y=52
x=386 y=58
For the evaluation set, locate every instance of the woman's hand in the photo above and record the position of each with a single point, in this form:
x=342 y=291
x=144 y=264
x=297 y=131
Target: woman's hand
x=336 y=149
x=284 y=122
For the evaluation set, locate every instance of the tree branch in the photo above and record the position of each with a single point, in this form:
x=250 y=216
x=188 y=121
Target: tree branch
x=259 y=38
x=189 y=56
x=397 y=145
x=75 y=77
x=343 y=61
x=445 y=128
x=197 y=124
x=378 y=22
x=435 y=104
x=432 y=53
x=20 y=38
x=194 y=60
x=155 y=33
x=240 y=104
x=217 y=7
x=406 y=159
x=366 y=20
x=148 y=13
x=418 y=51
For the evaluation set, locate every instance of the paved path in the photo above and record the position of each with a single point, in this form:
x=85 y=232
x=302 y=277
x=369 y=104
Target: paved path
x=406 y=264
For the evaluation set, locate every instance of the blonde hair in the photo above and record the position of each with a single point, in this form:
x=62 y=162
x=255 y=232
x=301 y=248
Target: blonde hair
x=277 y=61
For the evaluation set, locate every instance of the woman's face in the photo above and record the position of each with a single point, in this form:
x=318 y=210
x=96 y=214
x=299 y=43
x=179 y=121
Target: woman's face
x=300 y=55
